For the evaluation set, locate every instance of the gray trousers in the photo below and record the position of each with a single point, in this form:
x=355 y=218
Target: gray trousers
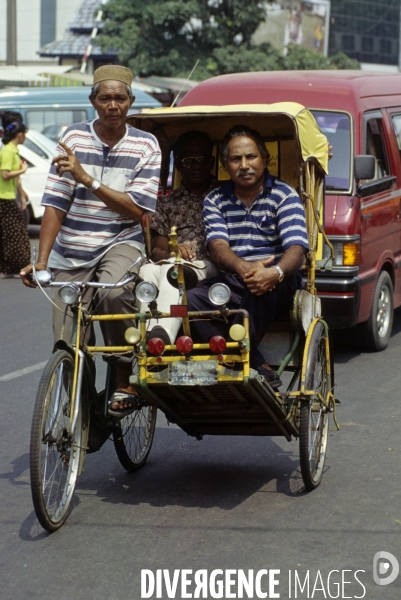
x=110 y=268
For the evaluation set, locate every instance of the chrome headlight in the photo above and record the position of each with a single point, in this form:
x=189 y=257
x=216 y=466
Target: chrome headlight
x=219 y=294
x=146 y=291
x=68 y=294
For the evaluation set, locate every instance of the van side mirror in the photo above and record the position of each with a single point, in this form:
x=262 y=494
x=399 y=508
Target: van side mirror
x=364 y=166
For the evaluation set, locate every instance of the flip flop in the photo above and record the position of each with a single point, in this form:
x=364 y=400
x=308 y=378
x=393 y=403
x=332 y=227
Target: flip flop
x=271 y=377
x=121 y=396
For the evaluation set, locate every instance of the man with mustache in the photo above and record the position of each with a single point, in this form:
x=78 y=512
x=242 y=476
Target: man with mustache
x=103 y=179
x=256 y=234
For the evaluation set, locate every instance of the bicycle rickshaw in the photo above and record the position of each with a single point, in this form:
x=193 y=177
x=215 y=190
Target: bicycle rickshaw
x=207 y=388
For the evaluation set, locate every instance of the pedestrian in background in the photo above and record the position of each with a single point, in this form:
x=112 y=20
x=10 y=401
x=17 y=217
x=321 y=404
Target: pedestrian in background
x=14 y=240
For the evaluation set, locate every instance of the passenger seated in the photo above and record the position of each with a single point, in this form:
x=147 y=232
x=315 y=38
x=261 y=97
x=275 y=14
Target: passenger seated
x=256 y=234
x=182 y=208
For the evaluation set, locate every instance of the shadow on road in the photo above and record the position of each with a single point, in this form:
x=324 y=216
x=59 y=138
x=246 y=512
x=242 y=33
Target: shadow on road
x=207 y=474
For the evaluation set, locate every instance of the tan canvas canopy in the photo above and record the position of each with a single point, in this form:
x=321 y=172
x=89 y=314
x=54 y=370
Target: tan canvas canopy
x=279 y=121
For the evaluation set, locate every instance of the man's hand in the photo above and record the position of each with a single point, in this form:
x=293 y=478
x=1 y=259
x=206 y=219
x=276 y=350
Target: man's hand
x=260 y=279
x=23 y=166
x=68 y=163
x=26 y=271
x=187 y=253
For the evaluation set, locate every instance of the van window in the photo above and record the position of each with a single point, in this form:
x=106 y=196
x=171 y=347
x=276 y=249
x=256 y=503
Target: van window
x=53 y=122
x=374 y=142
x=35 y=148
x=397 y=128
x=337 y=128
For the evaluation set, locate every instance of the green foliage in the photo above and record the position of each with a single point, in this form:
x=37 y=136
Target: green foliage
x=167 y=37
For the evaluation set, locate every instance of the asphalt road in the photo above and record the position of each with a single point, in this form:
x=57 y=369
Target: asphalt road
x=222 y=503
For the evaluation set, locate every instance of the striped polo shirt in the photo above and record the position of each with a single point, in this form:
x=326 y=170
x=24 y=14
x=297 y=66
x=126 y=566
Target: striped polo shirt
x=274 y=222
x=90 y=228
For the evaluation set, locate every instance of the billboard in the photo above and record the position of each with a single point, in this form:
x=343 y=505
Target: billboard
x=296 y=22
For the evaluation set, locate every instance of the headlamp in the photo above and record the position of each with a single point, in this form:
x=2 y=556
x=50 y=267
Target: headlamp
x=68 y=294
x=146 y=291
x=219 y=294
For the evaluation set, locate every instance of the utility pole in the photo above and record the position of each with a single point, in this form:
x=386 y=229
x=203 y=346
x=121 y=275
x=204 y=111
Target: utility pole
x=11 y=58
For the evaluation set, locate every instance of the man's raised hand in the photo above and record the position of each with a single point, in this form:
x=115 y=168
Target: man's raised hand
x=68 y=163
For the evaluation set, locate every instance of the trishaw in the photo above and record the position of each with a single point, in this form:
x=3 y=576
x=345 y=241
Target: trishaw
x=204 y=388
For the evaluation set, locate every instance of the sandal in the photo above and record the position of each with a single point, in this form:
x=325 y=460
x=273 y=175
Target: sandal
x=121 y=396
x=270 y=377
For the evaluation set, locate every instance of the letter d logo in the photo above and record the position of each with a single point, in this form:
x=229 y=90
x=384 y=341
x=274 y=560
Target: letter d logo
x=381 y=564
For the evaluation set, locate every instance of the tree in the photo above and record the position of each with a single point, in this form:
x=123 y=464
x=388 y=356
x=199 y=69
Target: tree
x=168 y=37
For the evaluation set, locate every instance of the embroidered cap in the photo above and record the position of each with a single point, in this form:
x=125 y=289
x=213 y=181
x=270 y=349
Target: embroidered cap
x=114 y=73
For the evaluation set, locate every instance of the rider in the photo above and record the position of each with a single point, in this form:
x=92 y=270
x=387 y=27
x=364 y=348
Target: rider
x=102 y=181
x=182 y=208
x=256 y=233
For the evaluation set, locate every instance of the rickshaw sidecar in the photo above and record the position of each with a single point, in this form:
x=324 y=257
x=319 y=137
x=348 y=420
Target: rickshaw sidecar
x=209 y=388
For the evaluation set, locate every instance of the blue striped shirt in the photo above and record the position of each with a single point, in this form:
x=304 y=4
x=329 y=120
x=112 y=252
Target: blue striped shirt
x=274 y=222
x=90 y=228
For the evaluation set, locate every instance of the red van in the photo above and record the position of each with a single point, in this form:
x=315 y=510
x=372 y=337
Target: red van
x=360 y=114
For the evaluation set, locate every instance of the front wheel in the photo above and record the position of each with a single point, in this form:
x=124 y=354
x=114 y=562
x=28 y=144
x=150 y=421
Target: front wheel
x=314 y=418
x=133 y=437
x=376 y=331
x=55 y=450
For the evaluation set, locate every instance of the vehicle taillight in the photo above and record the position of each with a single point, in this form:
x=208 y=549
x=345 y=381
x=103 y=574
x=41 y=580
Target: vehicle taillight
x=156 y=346
x=217 y=344
x=184 y=344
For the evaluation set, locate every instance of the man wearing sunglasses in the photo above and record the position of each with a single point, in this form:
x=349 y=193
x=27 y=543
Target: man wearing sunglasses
x=183 y=209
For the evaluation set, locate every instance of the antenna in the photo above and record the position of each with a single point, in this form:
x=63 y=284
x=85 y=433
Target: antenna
x=182 y=87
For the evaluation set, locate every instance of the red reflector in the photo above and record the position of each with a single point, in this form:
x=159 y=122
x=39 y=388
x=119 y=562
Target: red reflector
x=156 y=346
x=178 y=310
x=217 y=344
x=184 y=344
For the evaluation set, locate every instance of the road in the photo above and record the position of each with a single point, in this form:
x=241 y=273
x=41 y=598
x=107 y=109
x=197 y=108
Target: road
x=223 y=503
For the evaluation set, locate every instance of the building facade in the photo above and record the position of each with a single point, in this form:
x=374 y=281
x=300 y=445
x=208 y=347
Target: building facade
x=38 y=22
x=367 y=30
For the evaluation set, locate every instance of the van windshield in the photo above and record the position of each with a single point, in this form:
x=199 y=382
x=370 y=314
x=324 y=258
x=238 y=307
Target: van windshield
x=337 y=128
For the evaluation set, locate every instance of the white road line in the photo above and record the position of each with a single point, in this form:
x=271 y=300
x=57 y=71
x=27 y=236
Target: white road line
x=22 y=372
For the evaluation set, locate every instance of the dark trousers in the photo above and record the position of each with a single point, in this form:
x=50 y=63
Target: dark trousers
x=262 y=309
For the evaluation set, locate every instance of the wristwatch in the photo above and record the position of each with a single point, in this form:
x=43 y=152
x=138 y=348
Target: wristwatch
x=95 y=185
x=280 y=273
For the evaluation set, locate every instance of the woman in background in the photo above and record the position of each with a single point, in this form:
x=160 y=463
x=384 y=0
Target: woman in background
x=15 y=248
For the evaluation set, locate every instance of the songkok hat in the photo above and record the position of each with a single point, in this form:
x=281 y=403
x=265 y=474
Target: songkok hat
x=113 y=72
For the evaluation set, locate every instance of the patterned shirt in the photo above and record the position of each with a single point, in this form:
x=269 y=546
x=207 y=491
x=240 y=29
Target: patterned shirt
x=274 y=222
x=183 y=209
x=90 y=228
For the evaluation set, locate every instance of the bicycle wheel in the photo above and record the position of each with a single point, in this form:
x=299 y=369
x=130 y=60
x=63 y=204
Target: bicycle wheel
x=133 y=437
x=55 y=450
x=314 y=418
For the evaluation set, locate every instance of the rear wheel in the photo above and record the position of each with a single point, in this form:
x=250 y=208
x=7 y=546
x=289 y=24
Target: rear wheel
x=55 y=450
x=133 y=437
x=376 y=331
x=314 y=418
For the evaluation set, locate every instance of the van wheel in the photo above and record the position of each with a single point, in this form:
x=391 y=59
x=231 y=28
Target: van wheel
x=376 y=331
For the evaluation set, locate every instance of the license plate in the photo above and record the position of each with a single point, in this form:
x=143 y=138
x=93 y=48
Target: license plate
x=193 y=373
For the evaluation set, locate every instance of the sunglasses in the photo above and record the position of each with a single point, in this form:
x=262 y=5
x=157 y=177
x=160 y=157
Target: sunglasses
x=190 y=161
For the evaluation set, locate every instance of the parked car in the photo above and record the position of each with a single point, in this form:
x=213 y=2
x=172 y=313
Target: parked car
x=34 y=182
x=49 y=110
x=360 y=114
x=42 y=145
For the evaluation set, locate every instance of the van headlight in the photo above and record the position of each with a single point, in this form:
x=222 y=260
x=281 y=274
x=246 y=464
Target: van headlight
x=68 y=294
x=146 y=291
x=346 y=252
x=219 y=294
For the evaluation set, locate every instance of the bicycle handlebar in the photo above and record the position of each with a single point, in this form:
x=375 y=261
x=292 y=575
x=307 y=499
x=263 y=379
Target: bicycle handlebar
x=46 y=282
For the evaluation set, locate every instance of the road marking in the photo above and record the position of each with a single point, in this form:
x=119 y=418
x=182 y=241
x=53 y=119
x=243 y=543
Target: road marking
x=22 y=372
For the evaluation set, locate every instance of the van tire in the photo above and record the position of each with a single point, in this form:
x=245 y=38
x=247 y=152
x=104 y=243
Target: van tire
x=376 y=331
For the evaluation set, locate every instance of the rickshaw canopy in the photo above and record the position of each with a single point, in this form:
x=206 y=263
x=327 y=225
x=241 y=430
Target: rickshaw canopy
x=279 y=121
